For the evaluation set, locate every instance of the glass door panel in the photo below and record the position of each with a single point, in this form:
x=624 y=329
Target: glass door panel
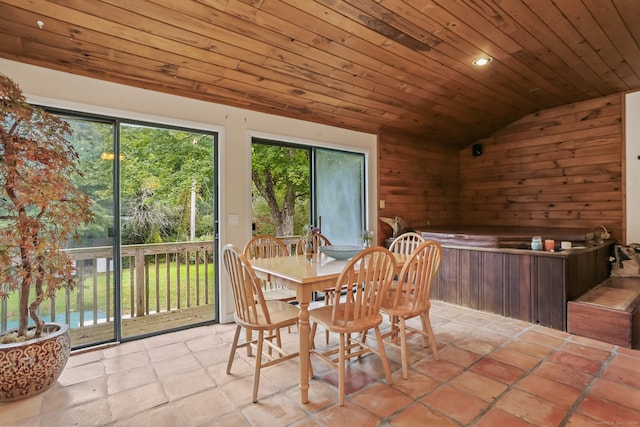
x=167 y=226
x=340 y=196
x=280 y=188
x=90 y=308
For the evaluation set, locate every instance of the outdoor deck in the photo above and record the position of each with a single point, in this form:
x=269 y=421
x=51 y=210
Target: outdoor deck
x=131 y=327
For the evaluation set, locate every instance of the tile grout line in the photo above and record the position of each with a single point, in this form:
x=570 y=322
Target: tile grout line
x=584 y=391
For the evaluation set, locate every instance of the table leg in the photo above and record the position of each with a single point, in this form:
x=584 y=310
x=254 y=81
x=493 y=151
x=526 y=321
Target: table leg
x=304 y=330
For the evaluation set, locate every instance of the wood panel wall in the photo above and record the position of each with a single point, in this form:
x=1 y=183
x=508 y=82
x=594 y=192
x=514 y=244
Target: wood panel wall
x=418 y=182
x=560 y=167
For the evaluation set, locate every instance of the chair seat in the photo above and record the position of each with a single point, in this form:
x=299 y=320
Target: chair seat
x=409 y=307
x=324 y=314
x=281 y=313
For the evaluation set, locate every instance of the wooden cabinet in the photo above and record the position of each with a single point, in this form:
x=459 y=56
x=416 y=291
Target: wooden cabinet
x=533 y=286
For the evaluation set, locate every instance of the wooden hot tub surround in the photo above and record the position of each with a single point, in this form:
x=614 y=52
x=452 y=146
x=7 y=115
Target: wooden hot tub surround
x=514 y=281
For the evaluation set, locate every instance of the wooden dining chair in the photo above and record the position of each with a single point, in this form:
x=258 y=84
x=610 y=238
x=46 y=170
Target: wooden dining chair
x=318 y=240
x=266 y=246
x=256 y=314
x=366 y=278
x=409 y=297
x=406 y=243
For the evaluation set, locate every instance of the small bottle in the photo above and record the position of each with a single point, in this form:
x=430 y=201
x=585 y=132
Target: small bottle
x=536 y=243
x=308 y=251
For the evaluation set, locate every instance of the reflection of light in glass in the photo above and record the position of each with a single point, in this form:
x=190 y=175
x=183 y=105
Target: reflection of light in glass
x=109 y=155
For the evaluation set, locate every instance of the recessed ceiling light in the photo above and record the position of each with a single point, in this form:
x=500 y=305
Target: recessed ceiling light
x=482 y=61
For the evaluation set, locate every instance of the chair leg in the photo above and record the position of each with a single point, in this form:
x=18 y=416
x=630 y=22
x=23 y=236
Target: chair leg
x=312 y=337
x=234 y=346
x=329 y=296
x=426 y=326
x=403 y=349
x=256 y=376
x=383 y=356
x=341 y=369
x=394 y=328
x=249 y=337
x=278 y=340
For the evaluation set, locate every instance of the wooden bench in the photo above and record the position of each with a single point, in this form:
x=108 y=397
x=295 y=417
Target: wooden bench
x=610 y=312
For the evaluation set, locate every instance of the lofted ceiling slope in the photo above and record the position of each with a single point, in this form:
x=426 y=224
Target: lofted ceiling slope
x=369 y=65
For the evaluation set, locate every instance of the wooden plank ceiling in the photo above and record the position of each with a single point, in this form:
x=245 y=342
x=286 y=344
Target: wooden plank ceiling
x=370 y=65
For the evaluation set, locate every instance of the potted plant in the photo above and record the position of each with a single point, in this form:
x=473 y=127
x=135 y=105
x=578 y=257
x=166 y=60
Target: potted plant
x=40 y=210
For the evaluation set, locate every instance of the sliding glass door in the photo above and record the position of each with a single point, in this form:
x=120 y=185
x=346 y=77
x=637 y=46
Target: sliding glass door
x=146 y=263
x=295 y=185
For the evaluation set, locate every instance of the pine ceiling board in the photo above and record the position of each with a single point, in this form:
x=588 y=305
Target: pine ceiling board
x=375 y=71
x=477 y=112
x=106 y=12
x=458 y=60
x=299 y=18
x=487 y=26
x=441 y=69
x=552 y=50
x=323 y=72
x=370 y=65
x=114 y=46
x=138 y=23
x=401 y=98
x=241 y=76
x=593 y=34
x=85 y=55
x=577 y=37
x=218 y=27
x=445 y=76
x=461 y=52
x=614 y=27
x=85 y=25
x=578 y=56
x=630 y=14
x=393 y=25
x=536 y=57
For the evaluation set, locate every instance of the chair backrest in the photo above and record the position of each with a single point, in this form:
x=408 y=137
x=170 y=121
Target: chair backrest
x=406 y=243
x=251 y=309
x=318 y=240
x=413 y=288
x=366 y=279
x=265 y=246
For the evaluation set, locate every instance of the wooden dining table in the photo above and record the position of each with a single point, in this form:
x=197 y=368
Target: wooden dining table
x=306 y=277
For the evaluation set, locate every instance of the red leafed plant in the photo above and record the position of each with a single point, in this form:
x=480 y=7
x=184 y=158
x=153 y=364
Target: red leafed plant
x=40 y=206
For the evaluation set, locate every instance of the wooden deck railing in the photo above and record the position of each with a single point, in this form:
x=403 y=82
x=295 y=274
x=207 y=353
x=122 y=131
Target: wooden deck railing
x=156 y=278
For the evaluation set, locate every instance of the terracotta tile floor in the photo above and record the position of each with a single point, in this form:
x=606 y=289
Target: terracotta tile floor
x=493 y=371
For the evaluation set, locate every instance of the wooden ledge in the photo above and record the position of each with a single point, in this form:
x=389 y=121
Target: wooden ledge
x=618 y=293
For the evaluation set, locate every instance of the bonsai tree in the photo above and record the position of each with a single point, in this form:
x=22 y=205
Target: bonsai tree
x=40 y=206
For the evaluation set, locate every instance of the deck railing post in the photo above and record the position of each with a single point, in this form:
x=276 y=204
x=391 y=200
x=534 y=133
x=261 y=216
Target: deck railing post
x=140 y=282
